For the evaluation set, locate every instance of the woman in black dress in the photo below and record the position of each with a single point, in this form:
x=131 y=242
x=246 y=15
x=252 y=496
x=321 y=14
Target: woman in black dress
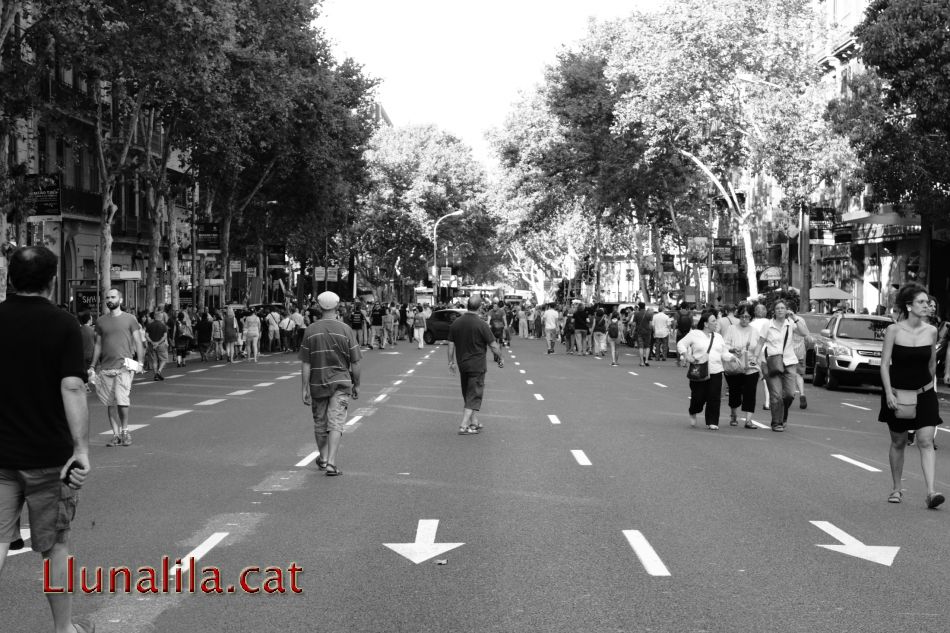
x=909 y=362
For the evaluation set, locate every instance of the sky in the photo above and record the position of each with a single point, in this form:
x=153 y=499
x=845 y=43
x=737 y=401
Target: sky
x=459 y=65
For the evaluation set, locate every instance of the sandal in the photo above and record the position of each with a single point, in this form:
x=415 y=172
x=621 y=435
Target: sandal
x=468 y=430
x=333 y=471
x=322 y=465
x=895 y=497
x=115 y=441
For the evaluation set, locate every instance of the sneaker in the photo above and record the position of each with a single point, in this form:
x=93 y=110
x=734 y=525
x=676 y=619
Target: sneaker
x=802 y=402
x=749 y=425
x=115 y=441
x=712 y=427
x=126 y=439
x=765 y=407
x=733 y=420
x=17 y=544
x=779 y=428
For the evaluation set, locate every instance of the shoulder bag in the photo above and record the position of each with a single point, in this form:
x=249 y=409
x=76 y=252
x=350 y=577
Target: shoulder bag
x=775 y=363
x=906 y=403
x=698 y=372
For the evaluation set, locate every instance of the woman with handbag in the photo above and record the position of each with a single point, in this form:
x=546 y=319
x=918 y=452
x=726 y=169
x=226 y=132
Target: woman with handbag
x=702 y=348
x=909 y=400
x=743 y=377
x=780 y=360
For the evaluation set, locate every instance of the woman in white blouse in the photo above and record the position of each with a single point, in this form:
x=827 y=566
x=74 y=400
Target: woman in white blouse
x=699 y=346
x=742 y=340
x=776 y=338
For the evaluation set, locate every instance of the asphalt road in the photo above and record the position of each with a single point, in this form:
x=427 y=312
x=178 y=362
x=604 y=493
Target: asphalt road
x=612 y=515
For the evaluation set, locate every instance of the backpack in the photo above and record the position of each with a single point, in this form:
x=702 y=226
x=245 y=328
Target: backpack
x=613 y=330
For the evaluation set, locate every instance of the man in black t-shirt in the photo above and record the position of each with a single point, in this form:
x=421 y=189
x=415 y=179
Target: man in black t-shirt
x=44 y=422
x=469 y=339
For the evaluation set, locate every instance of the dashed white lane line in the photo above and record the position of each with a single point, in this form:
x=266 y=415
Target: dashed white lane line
x=419 y=363
x=517 y=363
x=208 y=403
x=648 y=557
x=174 y=414
x=173 y=377
x=529 y=382
x=198 y=553
x=356 y=418
x=380 y=398
x=522 y=371
x=241 y=392
x=131 y=427
x=306 y=460
x=409 y=371
x=660 y=384
x=538 y=396
x=581 y=457
x=285 y=377
x=197 y=371
x=264 y=384
x=216 y=366
x=761 y=426
x=633 y=373
x=398 y=382
x=513 y=356
x=554 y=419
x=855 y=462
x=854 y=406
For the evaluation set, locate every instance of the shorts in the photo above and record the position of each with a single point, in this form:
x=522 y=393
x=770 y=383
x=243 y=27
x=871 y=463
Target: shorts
x=51 y=503
x=329 y=414
x=114 y=388
x=159 y=351
x=473 y=389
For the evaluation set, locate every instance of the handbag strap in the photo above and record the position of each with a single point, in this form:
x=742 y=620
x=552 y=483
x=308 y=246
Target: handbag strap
x=711 y=337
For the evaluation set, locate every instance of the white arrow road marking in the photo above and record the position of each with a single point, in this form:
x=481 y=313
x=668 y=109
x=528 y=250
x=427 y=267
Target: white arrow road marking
x=648 y=557
x=581 y=458
x=198 y=553
x=854 y=406
x=538 y=396
x=424 y=546
x=131 y=427
x=857 y=463
x=851 y=546
x=660 y=384
x=208 y=403
x=174 y=414
x=25 y=535
x=240 y=392
x=554 y=419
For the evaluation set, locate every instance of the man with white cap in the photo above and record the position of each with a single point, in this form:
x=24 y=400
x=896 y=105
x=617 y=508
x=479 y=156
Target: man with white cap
x=330 y=374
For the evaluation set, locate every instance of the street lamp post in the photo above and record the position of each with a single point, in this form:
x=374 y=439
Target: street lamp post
x=435 y=250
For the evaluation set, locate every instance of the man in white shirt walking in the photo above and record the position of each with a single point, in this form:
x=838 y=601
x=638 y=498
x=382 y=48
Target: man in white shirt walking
x=550 y=319
x=661 y=335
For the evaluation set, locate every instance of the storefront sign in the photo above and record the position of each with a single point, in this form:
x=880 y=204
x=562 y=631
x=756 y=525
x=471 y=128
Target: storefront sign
x=722 y=250
x=821 y=221
x=45 y=196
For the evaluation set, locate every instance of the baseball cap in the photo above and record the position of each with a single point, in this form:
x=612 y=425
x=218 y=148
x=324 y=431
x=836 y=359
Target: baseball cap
x=328 y=300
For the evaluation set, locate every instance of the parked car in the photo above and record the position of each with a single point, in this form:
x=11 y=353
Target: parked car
x=848 y=350
x=437 y=326
x=816 y=323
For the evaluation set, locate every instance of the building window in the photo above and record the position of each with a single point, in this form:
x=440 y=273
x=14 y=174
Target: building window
x=79 y=168
x=60 y=165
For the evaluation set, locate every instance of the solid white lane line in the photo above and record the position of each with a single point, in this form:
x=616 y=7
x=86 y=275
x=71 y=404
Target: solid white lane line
x=581 y=457
x=309 y=458
x=529 y=382
x=633 y=373
x=208 y=403
x=660 y=384
x=380 y=398
x=241 y=392
x=398 y=382
x=264 y=384
x=356 y=418
x=855 y=462
x=197 y=371
x=554 y=419
x=131 y=427
x=854 y=406
x=648 y=557
x=538 y=396
x=198 y=553
x=174 y=414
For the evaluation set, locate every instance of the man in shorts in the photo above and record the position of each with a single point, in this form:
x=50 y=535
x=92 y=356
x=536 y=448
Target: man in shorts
x=118 y=337
x=44 y=423
x=157 y=334
x=550 y=319
x=469 y=339
x=330 y=373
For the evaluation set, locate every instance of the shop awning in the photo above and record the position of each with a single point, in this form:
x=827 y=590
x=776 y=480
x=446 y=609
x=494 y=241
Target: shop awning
x=828 y=293
x=890 y=218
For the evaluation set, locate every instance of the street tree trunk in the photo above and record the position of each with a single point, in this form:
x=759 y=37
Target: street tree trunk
x=155 y=247
x=173 y=248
